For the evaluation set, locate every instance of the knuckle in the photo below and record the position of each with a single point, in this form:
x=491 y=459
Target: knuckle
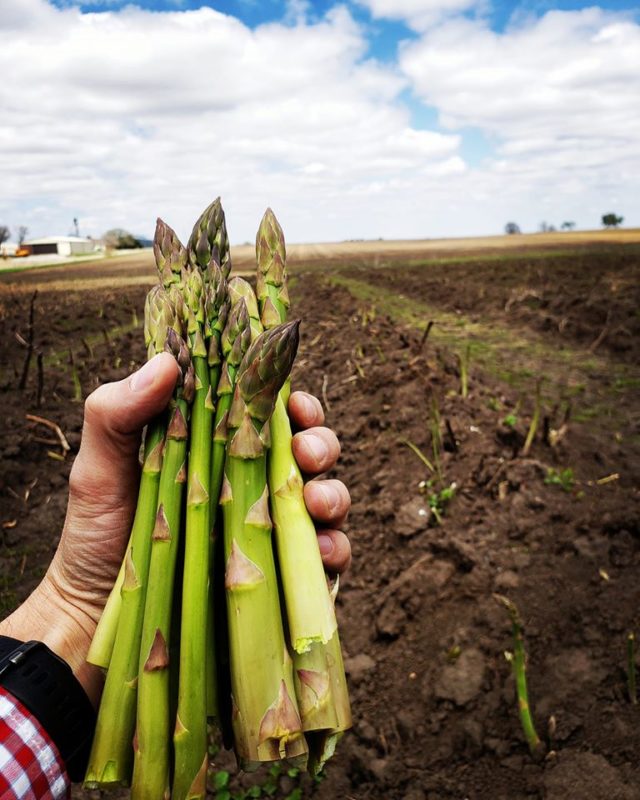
x=94 y=404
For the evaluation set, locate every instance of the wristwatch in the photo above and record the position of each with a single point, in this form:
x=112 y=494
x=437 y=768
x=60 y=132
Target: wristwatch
x=47 y=687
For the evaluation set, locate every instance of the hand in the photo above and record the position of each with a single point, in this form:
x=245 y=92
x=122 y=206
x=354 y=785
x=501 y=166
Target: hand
x=316 y=449
x=64 y=609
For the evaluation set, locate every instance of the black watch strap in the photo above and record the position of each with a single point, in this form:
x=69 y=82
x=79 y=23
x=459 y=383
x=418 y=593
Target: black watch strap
x=47 y=687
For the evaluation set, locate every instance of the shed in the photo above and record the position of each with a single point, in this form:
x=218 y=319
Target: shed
x=61 y=245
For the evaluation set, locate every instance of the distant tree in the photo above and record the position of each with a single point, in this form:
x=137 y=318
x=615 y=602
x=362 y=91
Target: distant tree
x=546 y=228
x=511 y=227
x=5 y=233
x=611 y=220
x=568 y=226
x=21 y=233
x=119 y=239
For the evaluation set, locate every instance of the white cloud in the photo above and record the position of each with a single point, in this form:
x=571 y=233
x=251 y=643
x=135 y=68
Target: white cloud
x=419 y=14
x=560 y=95
x=129 y=114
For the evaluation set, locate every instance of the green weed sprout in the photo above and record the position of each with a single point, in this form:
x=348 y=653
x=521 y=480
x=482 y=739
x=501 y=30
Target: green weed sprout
x=535 y=419
x=563 y=478
x=631 y=668
x=464 y=358
x=438 y=501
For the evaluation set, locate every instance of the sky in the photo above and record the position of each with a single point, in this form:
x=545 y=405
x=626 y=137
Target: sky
x=357 y=119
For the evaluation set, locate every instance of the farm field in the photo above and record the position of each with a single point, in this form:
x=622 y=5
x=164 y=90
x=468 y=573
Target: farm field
x=447 y=509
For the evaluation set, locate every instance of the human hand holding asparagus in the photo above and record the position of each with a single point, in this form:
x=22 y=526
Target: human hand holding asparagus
x=207 y=619
x=64 y=609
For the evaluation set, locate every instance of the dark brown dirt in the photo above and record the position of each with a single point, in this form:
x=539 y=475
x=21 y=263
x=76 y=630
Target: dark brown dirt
x=589 y=297
x=433 y=698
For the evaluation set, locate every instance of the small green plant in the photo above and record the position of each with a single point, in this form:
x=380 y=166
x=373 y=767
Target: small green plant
x=453 y=653
x=535 y=419
x=563 y=478
x=511 y=420
x=631 y=668
x=463 y=359
x=75 y=379
x=270 y=786
x=223 y=789
x=518 y=661
x=436 y=436
x=415 y=449
x=438 y=501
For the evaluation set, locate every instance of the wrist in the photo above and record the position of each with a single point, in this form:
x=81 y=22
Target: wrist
x=47 y=616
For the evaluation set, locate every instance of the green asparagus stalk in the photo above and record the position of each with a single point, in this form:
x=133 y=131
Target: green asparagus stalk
x=111 y=758
x=321 y=687
x=518 y=661
x=235 y=340
x=240 y=289
x=104 y=637
x=151 y=746
x=265 y=717
x=190 y=736
x=170 y=255
x=310 y=612
x=216 y=311
x=209 y=239
x=323 y=741
x=271 y=285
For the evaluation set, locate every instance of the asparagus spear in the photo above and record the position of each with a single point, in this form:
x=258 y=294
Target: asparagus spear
x=319 y=672
x=104 y=637
x=151 y=746
x=265 y=718
x=239 y=288
x=190 y=735
x=235 y=340
x=209 y=239
x=310 y=612
x=217 y=309
x=170 y=255
x=271 y=285
x=111 y=756
x=518 y=661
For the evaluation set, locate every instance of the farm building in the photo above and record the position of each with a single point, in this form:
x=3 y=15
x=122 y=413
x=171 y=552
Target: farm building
x=61 y=245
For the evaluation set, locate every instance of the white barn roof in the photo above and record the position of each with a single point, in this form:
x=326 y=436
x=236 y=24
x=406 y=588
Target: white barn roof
x=58 y=240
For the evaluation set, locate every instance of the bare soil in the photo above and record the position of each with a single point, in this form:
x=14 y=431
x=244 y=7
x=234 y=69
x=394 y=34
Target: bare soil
x=433 y=696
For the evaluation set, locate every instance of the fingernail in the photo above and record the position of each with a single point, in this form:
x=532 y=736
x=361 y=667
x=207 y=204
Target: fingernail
x=145 y=376
x=308 y=407
x=325 y=543
x=316 y=446
x=331 y=496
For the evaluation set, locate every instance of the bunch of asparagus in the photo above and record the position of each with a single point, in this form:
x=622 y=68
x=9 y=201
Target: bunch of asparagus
x=208 y=622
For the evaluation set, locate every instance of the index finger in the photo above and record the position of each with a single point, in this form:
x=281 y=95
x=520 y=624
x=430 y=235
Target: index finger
x=305 y=410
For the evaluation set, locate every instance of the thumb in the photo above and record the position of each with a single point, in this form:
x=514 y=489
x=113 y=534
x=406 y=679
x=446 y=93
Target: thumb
x=114 y=416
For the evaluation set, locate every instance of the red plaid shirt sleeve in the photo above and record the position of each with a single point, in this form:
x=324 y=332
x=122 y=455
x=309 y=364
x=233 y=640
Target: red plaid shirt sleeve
x=30 y=765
